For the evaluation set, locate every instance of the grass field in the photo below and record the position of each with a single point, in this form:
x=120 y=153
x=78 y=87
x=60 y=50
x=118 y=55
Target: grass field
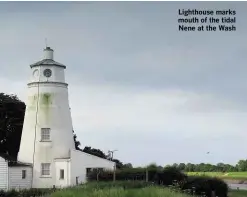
x=240 y=193
x=107 y=190
x=227 y=175
x=92 y=191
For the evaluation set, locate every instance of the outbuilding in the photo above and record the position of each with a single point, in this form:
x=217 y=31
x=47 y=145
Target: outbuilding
x=13 y=174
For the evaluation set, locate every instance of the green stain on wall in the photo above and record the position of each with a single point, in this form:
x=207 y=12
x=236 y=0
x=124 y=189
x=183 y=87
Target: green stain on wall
x=32 y=102
x=45 y=104
x=46 y=99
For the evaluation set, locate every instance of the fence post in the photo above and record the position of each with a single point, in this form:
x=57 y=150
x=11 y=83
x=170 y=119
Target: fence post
x=146 y=175
x=114 y=173
x=98 y=172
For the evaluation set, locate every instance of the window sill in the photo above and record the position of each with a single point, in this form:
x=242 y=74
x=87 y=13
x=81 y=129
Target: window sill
x=45 y=176
x=45 y=141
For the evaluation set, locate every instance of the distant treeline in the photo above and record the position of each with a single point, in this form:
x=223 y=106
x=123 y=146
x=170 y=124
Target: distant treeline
x=205 y=167
x=241 y=166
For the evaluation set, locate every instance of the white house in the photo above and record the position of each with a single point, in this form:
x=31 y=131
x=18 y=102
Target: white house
x=13 y=174
x=47 y=141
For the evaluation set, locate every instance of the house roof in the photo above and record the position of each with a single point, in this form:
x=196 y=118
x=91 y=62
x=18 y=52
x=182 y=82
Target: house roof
x=17 y=163
x=47 y=62
x=94 y=156
x=7 y=157
x=12 y=161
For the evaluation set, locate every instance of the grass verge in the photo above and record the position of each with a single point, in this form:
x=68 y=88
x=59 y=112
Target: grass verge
x=104 y=190
x=130 y=189
x=238 y=193
x=226 y=175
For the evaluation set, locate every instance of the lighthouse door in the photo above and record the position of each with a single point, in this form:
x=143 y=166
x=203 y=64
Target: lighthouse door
x=62 y=178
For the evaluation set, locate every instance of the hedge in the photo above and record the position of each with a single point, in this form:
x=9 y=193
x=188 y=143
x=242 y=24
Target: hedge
x=168 y=177
x=205 y=185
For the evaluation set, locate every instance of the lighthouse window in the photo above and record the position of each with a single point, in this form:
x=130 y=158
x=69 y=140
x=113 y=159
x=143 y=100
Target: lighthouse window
x=23 y=174
x=61 y=174
x=45 y=134
x=45 y=169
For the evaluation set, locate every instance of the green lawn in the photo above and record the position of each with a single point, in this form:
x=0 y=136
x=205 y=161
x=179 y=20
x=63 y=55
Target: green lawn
x=133 y=189
x=240 y=193
x=227 y=175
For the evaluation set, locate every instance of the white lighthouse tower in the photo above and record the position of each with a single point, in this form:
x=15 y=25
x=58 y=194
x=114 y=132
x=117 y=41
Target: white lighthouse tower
x=47 y=130
x=47 y=142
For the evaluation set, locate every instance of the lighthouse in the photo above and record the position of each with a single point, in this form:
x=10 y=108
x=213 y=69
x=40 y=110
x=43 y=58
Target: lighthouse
x=47 y=129
x=47 y=141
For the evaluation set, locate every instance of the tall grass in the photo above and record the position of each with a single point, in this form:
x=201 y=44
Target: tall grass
x=108 y=190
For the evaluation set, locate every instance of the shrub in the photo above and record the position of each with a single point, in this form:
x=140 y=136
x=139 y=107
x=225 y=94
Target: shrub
x=205 y=185
x=120 y=184
x=26 y=193
x=121 y=175
x=168 y=176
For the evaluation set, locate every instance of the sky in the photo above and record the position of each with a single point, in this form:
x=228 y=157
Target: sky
x=136 y=83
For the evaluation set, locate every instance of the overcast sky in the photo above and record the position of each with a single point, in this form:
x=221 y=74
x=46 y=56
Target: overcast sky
x=136 y=83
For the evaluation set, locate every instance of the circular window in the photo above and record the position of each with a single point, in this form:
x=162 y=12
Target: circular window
x=36 y=73
x=47 y=72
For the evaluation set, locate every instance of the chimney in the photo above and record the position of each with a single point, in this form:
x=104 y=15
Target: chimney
x=48 y=53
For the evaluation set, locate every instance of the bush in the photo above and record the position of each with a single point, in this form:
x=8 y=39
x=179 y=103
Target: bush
x=205 y=185
x=26 y=193
x=120 y=184
x=168 y=177
x=122 y=175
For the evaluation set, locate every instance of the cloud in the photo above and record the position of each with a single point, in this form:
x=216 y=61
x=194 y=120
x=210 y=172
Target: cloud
x=135 y=82
x=141 y=120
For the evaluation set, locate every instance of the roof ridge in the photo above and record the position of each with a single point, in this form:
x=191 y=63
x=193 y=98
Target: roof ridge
x=47 y=62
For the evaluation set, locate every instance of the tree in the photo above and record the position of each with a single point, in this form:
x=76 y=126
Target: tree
x=167 y=166
x=242 y=165
x=230 y=168
x=152 y=166
x=119 y=164
x=12 y=112
x=181 y=166
x=77 y=143
x=95 y=152
x=127 y=165
x=175 y=165
x=190 y=167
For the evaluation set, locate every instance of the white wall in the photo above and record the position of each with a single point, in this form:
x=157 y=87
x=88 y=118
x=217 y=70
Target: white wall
x=62 y=164
x=57 y=74
x=53 y=112
x=55 y=115
x=15 y=177
x=3 y=174
x=80 y=161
